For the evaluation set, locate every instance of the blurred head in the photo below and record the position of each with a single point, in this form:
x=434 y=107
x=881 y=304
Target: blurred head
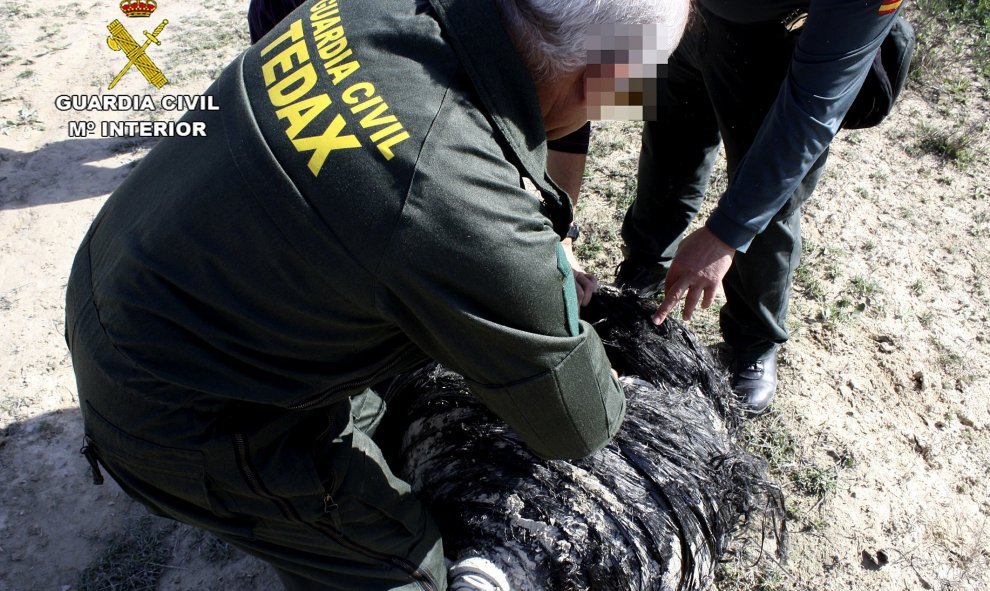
x=594 y=59
x=624 y=65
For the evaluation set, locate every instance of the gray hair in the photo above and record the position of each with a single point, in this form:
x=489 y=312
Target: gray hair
x=551 y=35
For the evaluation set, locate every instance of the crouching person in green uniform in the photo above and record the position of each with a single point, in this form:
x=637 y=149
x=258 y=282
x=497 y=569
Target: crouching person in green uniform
x=355 y=209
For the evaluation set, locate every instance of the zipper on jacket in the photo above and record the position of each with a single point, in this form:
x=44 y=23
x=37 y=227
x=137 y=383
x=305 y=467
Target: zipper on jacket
x=90 y=454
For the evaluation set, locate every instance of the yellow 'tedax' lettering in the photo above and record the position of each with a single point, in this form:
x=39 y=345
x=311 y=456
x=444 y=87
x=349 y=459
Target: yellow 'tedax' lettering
x=294 y=33
x=322 y=145
x=300 y=114
x=284 y=61
x=290 y=77
x=283 y=93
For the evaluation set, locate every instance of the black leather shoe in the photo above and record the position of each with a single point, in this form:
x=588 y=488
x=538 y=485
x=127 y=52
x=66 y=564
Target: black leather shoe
x=646 y=279
x=754 y=381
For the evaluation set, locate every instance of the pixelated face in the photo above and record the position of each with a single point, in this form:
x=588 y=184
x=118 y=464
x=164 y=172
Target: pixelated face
x=625 y=65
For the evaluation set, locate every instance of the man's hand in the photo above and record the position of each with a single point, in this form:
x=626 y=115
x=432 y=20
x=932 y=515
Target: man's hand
x=586 y=283
x=702 y=260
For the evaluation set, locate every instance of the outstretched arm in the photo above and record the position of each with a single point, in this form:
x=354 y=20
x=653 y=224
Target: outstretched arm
x=702 y=260
x=833 y=56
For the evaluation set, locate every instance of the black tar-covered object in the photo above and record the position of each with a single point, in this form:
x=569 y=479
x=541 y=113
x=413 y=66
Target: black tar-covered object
x=655 y=509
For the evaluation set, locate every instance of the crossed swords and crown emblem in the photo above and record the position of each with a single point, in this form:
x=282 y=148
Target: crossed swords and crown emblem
x=120 y=40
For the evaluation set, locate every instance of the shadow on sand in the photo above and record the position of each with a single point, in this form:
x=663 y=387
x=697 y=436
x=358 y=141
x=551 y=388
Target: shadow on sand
x=67 y=170
x=60 y=531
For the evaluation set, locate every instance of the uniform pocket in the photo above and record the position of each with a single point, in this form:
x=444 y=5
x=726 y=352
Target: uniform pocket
x=370 y=500
x=277 y=459
x=170 y=481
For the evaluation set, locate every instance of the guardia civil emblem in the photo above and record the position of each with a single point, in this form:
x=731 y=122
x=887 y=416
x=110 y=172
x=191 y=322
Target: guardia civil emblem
x=121 y=40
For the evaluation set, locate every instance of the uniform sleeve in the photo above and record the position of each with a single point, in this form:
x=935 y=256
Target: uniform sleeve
x=475 y=276
x=832 y=58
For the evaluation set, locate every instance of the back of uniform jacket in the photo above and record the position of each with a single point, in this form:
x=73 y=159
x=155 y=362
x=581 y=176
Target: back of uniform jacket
x=355 y=209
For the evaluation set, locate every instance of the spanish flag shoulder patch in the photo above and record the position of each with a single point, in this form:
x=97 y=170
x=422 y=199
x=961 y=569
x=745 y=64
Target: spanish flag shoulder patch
x=889 y=6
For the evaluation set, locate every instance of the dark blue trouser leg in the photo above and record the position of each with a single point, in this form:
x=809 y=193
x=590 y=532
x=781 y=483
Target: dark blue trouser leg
x=758 y=285
x=675 y=161
x=723 y=80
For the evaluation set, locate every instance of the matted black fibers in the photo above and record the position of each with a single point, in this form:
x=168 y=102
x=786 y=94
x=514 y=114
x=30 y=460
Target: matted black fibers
x=655 y=509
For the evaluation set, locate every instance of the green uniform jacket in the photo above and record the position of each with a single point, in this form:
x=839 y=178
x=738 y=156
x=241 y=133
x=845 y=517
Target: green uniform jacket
x=356 y=208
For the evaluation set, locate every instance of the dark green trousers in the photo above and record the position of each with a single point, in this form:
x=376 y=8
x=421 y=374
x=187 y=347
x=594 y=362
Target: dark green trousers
x=379 y=536
x=722 y=80
x=308 y=492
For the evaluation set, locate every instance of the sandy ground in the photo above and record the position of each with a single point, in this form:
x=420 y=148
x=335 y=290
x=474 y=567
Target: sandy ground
x=881 y=435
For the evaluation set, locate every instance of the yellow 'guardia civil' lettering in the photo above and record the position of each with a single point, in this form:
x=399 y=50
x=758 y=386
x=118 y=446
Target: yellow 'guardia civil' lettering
x=331 y=42
x=386 y=131
x=290 y=76
x=384 y=138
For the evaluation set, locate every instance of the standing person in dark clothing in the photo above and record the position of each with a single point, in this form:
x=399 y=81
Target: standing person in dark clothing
x=771 y=79
x=263 y=15
x=356 y=208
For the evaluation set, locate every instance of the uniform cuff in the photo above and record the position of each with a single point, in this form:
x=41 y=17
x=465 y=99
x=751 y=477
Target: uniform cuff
x=728 y=231
x=568 y=412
